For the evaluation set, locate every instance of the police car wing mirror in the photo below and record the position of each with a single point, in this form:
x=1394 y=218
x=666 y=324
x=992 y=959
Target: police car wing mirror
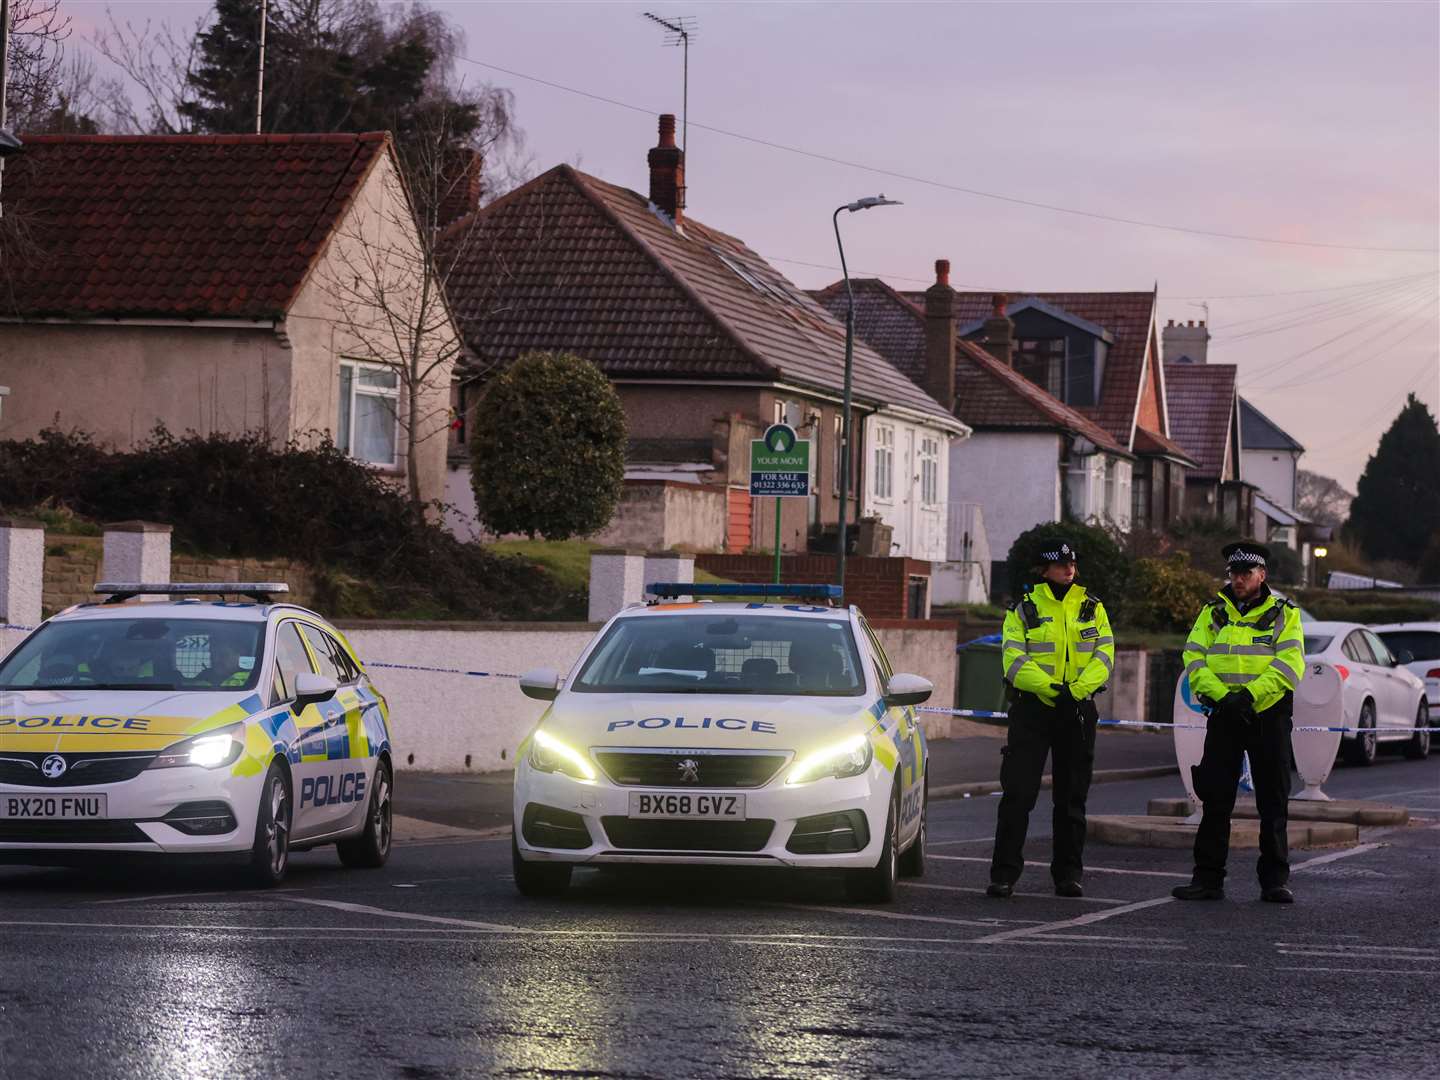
x=311 y=688
x=905 y=689
x=542 y=684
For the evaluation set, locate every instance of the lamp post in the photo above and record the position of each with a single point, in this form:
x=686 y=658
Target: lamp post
x=859 y=204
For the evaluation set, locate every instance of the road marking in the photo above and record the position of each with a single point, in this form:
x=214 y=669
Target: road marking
x=1408 y=791
x=1088 y=869
x=443 y=920
x=1334 y=955
x=1321 y=860
x=1065 y=924
x=972 y=840
x=1066 y=941
x=899 y=915
x=1036 y=895
x=1361 y=971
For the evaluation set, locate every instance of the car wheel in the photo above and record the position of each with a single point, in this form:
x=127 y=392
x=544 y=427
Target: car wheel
x=1418 y=748
x=270 y=854
x=1362 y=749
x=538 y=878
x=912 y=863
x=877 y=884
x=371 y=847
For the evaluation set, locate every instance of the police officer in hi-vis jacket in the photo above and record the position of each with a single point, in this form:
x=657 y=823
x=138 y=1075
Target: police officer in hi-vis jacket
x=1245 y=657
x=1058 y=652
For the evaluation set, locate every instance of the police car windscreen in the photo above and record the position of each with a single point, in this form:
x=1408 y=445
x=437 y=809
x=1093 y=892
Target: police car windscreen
x=725 y=654
x=137 y=654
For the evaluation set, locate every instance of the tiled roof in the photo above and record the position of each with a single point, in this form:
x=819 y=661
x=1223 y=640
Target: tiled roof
x=988 y=394
x=1259 y=432
x=184 y=226
x=1127 y=315
x=572 y=262
x=1202 y=401
x=1152 y=442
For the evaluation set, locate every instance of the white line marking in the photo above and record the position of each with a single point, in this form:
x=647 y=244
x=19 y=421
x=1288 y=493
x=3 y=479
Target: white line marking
x=1361 y=971
x=1408 y=791
x=971 y=840
x=1340 y=946
x=878 y=914
x=1321 y=860
x=1035 y=895
x=1068 y=942
x=443 y=920
x=1083 y=920
x=1352 y=956
x=1088 y=869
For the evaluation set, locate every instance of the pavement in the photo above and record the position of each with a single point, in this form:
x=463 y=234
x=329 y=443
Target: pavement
x=434 y=966
x=960 y=767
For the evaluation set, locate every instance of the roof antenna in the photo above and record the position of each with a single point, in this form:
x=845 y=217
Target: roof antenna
x=1204 y=306
x=260 y=85
x=678 y=29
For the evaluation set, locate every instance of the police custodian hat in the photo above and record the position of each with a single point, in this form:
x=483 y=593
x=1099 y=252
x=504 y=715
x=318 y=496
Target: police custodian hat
x=1244 y=554
x=1058 y=550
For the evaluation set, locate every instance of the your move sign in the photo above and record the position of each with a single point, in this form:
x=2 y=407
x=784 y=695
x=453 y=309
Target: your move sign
x=780 y=463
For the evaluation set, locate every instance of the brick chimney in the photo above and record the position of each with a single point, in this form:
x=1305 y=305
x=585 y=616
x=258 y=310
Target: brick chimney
x=667 y=172
x=1185 y=343
x=940 y=337
x=999 y=339
x=463 y=186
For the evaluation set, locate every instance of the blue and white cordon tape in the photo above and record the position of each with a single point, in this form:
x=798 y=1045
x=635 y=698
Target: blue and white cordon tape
x=986 y=715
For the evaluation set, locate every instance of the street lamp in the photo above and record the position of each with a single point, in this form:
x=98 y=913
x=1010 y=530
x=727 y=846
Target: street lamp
x=859 y=204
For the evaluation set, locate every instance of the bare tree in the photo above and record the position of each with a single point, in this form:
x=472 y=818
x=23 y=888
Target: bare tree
x=156 y=63
x=1321 y=499
x=38 y=31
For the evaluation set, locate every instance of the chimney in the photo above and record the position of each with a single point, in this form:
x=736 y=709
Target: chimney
x=1185 y=344
x=462 y=185
x=940 y=337
x=999 y=340
x=667 y=172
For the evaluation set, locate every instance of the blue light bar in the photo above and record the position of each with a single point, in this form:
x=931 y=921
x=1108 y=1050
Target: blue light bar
x=664 y=589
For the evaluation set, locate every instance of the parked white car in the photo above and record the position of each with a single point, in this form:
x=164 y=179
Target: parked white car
x=1422 y=641
x=1382 y=697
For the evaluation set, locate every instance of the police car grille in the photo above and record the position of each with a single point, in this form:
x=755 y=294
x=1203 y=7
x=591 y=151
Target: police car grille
x=72 y=832
x=632 y=768
x=666 y=836
x=81 y=770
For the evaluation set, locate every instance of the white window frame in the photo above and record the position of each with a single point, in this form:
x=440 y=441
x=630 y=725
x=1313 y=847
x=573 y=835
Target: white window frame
x=929 y=470
x=356 y=390
x=884 y=482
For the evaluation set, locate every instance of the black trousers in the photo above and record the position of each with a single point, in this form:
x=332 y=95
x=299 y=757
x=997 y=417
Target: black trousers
x=1267 y=740
x=1069 y=738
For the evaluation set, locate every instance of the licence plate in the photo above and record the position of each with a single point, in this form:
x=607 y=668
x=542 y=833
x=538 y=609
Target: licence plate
x=52 y=807
x=644 y=804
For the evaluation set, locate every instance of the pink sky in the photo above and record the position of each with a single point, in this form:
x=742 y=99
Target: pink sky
x=1314 y=122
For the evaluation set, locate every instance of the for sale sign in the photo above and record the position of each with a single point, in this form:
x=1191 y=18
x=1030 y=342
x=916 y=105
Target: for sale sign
x=780 y=463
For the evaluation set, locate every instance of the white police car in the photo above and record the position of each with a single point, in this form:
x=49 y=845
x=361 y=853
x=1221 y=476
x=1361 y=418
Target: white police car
x=191 y=727
x=726 y=733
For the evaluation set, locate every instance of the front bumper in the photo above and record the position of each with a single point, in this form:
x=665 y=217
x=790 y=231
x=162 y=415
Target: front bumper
x=592 y=802
x=132 y=823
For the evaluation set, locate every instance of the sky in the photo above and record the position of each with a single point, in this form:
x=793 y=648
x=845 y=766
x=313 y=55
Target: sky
x=1313 y=124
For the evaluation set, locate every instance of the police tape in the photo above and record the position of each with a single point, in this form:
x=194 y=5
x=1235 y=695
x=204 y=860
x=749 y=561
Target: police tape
x=442 y=670
x=987 y=715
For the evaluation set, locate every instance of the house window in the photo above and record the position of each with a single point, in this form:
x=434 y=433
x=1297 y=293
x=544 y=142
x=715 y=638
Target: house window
x=929 y=471
x=884 y=462
x=369 y=404
x=1110 y=469
x=1080 y=378
x=1042 y=361
x=787 y=412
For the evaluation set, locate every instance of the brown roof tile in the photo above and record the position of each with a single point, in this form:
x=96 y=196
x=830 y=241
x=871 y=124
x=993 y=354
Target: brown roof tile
x=182 y=226
x=1202 y=405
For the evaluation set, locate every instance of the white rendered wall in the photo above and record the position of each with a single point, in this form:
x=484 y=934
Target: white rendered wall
x=918 y=530
x=1014 y=476
x=1273 y=472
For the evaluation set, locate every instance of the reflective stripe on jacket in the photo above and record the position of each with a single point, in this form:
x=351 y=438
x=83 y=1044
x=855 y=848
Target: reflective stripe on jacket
x=1060 y=647
x=1262 y=652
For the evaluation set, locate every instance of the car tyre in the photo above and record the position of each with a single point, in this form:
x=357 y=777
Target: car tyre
x=1363 y=749
x=371 y=847
x=538 y=878
x=1418 y=748
x=912 y=863
x=270 y=854
x=877 y=884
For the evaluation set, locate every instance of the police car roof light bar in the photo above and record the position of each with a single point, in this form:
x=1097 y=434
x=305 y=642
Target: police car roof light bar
x=117 y=592
x=666 y=589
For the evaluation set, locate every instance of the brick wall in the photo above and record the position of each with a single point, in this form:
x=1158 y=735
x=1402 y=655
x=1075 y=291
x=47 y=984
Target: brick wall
x=73 y=564
x=876 y=586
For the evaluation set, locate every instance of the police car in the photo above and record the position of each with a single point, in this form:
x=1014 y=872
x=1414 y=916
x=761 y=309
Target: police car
x=714 y=732
x=191 y=727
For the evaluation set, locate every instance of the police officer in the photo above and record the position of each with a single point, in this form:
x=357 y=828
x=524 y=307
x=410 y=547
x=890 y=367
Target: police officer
x=1244 y=656
x=1058 y=653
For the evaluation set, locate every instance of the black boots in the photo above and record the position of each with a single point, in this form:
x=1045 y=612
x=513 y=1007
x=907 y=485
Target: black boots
x=1198 y=892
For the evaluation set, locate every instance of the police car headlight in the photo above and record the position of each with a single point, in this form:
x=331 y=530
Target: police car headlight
x=210 y=751
x=848 y=758
x=549 y=754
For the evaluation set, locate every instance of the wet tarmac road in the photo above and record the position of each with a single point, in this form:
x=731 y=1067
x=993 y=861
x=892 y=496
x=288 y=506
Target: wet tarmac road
x=434 y=966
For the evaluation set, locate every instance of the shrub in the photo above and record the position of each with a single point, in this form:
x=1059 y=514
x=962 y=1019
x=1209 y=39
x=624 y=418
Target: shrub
x=1168 y=593
x=549 y=460
x=1102 y=567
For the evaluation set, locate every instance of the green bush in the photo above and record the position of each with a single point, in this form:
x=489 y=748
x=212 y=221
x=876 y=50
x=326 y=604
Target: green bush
x=1168 y=593
x=1366 y=606
x=550 y=460
x=239 y=496
x=1102 y=567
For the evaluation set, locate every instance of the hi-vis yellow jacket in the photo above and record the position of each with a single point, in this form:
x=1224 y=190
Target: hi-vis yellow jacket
x=1057 y=641
x=1262 y=650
